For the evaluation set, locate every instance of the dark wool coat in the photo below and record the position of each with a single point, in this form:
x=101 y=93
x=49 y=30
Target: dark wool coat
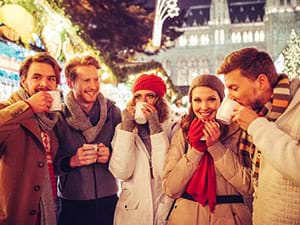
x=22 y=165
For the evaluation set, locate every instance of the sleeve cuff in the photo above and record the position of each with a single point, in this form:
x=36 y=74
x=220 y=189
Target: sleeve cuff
x=194 y=156
x=217 y=150
x=256 y=124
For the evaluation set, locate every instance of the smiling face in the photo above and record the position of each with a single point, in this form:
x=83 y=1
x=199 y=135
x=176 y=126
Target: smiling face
x=40 y=77
x=205 y=102
x=86 y=86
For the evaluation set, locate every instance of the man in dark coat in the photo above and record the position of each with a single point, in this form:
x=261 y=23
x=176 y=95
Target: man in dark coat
x=86 y=189
x=28 y=146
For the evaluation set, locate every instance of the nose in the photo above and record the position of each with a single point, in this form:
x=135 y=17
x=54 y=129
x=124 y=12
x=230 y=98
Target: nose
x=204 y=105
x=231 y=96
x=94 y=84
x=44 y=82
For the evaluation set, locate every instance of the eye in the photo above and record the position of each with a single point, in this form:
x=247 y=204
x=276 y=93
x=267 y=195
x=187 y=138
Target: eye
x=137 y=96
x=234 y=88
x=212 y=99
x=150 y=96
x=53 y=79
x=197 y=100
x=36 y=77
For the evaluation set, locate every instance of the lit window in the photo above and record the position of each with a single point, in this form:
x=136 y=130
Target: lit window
x=182 y=41
x=262 y=35
x=217 y=37
x=256 y=36
x=193 y=40
x=250 y=36
x=245 y=37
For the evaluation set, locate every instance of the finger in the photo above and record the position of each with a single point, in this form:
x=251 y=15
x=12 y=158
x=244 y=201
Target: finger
x=198 y=126
x=206 y=134
x=212 y=126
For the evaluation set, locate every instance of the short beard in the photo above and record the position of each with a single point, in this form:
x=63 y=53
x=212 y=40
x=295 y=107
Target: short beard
x=256 y=105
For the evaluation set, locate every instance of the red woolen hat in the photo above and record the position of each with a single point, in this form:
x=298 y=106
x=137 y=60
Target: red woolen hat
x=150 y=82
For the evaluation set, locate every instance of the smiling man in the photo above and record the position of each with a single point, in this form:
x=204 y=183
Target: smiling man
x=269 y=115
x=28 y=146
x=86 y=189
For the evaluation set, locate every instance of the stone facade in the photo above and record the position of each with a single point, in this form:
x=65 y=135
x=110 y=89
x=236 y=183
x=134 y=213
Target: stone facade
x=214 y=30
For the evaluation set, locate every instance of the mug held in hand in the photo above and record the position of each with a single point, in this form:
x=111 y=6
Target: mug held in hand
x=139 y=115
x=225 y=110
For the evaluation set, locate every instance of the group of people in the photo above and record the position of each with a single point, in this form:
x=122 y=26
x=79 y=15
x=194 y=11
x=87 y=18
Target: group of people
x=63 y=167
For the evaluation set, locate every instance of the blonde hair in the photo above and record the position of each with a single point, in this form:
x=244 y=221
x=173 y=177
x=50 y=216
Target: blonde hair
x=71 y=66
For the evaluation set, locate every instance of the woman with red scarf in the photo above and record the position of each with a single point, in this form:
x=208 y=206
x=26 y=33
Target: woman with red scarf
x=204 y=170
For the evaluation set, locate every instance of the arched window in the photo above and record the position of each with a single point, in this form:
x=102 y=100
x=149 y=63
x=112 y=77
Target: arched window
x=233 y=37
x=222 y=37
x=217 y=37
x=193 y=40
x=262 y=35
x=245 y=37
x=250 y=36
x=256 y=36
x=238 y=37
x=182 y=41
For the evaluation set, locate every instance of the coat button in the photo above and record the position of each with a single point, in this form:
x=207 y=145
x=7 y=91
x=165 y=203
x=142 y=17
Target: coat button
x=32 y=212
x=37 y=187
x=41 y=164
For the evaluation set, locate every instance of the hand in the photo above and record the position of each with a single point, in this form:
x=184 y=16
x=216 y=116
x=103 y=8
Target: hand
x=195 y=134
x=148 y=109
x=243 y=116
x=103 y=153
x=212 y=132
x=40 y=102
x=83 y=157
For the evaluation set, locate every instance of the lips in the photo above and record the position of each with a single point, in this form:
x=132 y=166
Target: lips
x=206 y=114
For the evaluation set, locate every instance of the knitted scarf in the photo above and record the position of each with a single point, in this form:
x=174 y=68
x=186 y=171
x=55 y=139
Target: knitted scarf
x=46 y=121
x=202 y=186
x=79 y=119
x=271 y=110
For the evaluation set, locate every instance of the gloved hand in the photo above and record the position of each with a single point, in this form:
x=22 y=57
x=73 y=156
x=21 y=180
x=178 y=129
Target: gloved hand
x=128 y=122
x=154 y=124
x=195 y=134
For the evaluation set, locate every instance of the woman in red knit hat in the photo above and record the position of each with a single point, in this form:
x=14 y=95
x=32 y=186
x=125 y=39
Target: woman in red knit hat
x=138 y=156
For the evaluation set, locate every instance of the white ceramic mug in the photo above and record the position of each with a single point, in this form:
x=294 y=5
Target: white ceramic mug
x=225 y=110
x=56 y=103
x=139 y=115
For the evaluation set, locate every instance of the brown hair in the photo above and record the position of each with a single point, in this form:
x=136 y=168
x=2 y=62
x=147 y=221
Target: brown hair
x=71 y=66
x=204 y=80
x=42 y=57
x=251 y=62
x=162 y=109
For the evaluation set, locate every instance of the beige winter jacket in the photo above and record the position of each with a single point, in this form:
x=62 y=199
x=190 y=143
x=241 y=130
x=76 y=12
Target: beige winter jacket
x=277 y=198
x=232 y=179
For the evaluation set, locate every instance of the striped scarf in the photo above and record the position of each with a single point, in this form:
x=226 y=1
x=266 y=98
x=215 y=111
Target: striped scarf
x=271 y=110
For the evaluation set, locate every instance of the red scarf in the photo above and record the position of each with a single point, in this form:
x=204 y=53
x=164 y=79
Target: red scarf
x=202 y=185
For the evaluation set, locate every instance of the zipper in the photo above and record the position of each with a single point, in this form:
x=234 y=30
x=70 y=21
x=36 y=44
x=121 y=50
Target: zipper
x=151 y=168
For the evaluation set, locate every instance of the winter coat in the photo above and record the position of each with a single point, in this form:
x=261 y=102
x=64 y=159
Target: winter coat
x=277 y=198
x=139 y=204
x=22 y=164
x=87 y=182
x=231 y=179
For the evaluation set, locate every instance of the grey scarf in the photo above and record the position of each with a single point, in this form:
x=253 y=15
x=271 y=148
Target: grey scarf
x=80 y=121
x=46 y=121
x=47 y=204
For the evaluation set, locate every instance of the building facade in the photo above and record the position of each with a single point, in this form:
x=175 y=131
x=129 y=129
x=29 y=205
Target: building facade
x=214 y=29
